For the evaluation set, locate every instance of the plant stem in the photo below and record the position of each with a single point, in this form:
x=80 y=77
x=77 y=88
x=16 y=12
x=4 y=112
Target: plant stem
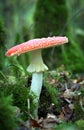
x=36 y=87
x=36 y=84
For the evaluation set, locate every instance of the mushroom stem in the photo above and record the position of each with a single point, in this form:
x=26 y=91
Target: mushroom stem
x=36 y=85
x=37 y=67
x=35 y=88
x=36 y=63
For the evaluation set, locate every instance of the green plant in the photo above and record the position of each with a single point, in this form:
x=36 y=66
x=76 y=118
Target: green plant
x=51 y=88
x=80 y=124
x=19 y=91
x=7 y=113
x=15 y=81
x=67 y=126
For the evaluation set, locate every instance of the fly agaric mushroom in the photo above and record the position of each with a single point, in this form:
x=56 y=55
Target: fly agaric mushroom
x=37 y=67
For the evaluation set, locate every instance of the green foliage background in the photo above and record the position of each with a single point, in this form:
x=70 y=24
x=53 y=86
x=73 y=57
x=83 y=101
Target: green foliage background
x=50 y=18
x=54 y=19
x=36 y=18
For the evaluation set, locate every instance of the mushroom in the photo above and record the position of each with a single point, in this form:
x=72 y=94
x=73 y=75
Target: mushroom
x=36 y=67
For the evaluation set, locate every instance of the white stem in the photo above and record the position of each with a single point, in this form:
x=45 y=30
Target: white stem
x=36 y=64
x=36 y=84
x=37 y=67
x=35 y=88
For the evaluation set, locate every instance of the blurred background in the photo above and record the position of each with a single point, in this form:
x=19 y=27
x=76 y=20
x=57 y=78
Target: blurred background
x=23 y=20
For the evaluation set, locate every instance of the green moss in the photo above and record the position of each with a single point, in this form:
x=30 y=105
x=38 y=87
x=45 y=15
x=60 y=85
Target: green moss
x=14 y=83
x=51 y=89
x=80 y=124
x=78 y=111
x=17 y=84
x=7 y=114
x=53 y=92
x=67 y=126
x=20 y=93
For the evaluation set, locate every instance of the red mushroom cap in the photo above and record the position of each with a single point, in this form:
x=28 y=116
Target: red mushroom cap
x=35 y=44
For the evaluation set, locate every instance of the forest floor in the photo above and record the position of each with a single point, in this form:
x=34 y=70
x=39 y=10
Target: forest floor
x=61 y=103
